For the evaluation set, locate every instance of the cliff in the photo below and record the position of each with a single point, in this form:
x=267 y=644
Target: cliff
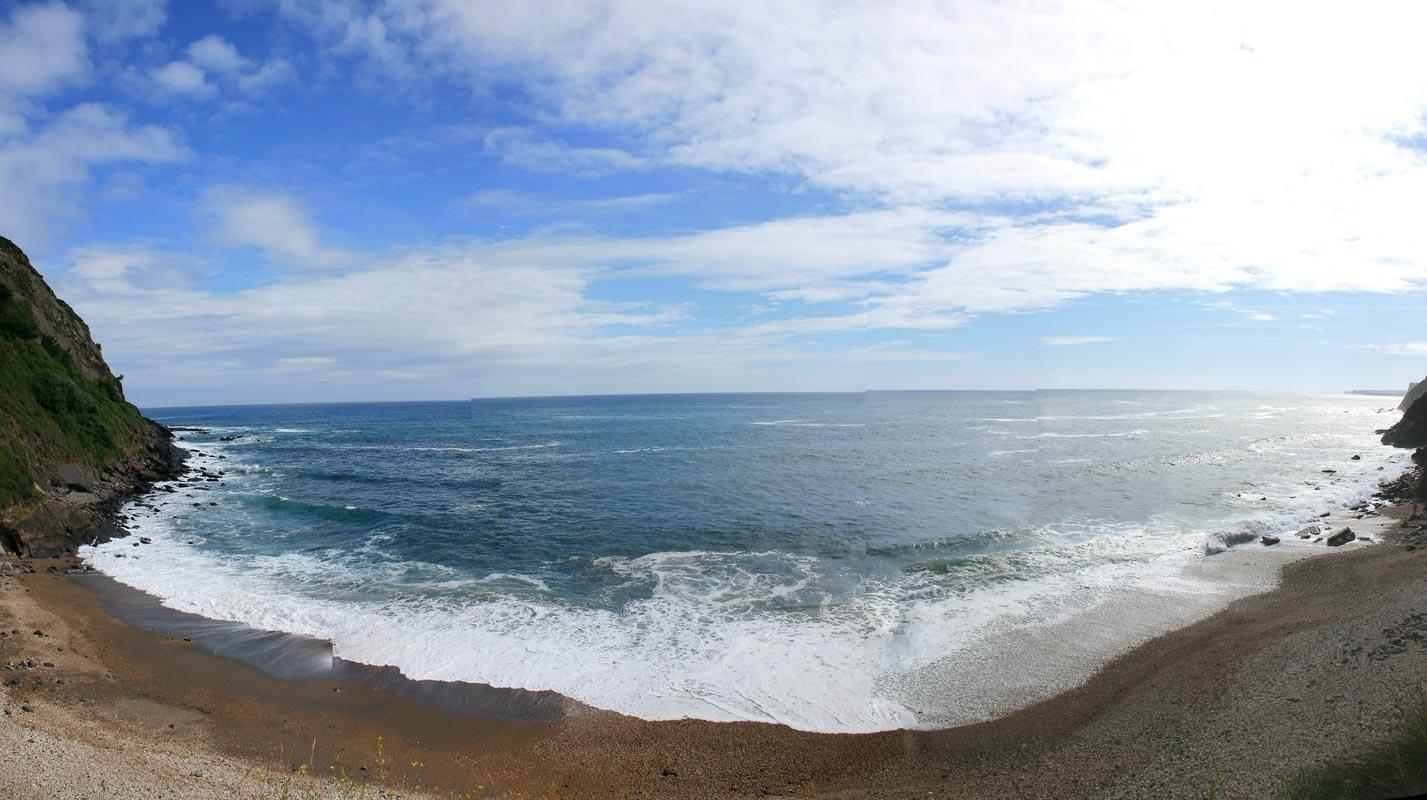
x=1415 y=392
x=1411 y=430
x=72 y=449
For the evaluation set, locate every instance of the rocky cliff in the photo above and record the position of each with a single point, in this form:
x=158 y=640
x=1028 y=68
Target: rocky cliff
x=1415 y=392
x=1411 y=430
x=72 y=449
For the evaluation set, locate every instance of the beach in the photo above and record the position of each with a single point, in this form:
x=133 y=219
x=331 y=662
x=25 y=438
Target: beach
x=1229 y=705
x=443 y=399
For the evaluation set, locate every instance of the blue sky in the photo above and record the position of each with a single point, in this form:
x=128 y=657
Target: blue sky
x=287 y=200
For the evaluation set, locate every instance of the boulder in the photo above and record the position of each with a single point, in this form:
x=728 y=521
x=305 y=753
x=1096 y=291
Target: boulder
x=80 y=499
x=1269 y=540
x=1341 y=538
x=75 y=478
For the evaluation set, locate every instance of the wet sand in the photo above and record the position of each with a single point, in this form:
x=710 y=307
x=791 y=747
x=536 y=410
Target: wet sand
x=1227 y=706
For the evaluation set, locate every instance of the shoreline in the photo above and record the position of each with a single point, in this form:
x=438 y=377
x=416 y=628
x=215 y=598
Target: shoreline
x=1242 y=697
x=953 y=690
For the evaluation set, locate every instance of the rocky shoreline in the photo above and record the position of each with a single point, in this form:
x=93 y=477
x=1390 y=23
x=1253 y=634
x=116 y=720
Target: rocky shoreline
x=83 y=505
x=73 y=451
x=1237 y=702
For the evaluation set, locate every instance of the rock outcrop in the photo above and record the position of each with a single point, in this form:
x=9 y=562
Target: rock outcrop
x=1415 y=391
x=1411 y=430
x=72 y=449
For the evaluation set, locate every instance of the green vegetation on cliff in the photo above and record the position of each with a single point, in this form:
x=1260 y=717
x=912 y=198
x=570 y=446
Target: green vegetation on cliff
x=49 y=411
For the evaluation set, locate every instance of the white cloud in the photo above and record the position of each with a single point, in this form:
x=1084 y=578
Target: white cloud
x=1182 y=147
x=41 y=48
x=527 y=149
x=440 y=313
x=214 y=57
x=274 y=223
x=40 y=169
x=1249 y=313
x=444 y=312
x=216 y=54
x=181 y=77
x=1072 y=341
x=1400 y=349
x=113 y=20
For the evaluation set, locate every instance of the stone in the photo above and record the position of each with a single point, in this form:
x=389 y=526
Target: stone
x=1269 y=540
x=75 y=477
x=1341 y=538
x=80 y=499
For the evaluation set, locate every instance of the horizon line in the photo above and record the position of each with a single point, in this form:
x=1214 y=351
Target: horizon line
x=1356 y=392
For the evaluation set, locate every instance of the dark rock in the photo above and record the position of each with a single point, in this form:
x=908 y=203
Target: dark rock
x=74 y=477
x=1411 y=430
x=1356 y=458
x=1342 y=537
x=1269 y=540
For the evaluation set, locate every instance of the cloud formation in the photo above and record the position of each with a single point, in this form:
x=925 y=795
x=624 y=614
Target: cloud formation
x=902 y=169
x=1073 y=341
x=1175 y=148
x=274 y=223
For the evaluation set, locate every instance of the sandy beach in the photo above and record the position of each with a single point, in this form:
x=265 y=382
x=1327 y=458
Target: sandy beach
x=1227 y=706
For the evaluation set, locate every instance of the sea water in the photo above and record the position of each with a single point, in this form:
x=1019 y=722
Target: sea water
x=833 y=562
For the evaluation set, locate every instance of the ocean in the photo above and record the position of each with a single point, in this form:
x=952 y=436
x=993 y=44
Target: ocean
x=831 y=562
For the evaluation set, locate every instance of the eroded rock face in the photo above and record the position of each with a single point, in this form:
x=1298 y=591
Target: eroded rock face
x=1411 y=430
x=1415 y=391
x=69 y=503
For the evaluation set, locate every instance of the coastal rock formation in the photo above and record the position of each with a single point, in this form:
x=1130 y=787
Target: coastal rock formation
x=72 y=449
x=1411 y=430
x=1415 y=391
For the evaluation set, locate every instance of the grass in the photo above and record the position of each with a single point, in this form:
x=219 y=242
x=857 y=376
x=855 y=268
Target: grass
x=1395 y=766
x=302 y=783
x=50 y=413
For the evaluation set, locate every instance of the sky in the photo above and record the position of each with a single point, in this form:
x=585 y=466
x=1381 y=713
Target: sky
x=302 y=200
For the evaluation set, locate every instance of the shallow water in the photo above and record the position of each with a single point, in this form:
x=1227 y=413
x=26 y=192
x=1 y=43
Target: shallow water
x=830 y=562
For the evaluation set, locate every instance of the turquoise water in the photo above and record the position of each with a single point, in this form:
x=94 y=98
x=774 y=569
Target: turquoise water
x=814 y=560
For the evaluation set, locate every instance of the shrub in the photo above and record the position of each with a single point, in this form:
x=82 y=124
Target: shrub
x=16 y=321
x=1395 y=766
